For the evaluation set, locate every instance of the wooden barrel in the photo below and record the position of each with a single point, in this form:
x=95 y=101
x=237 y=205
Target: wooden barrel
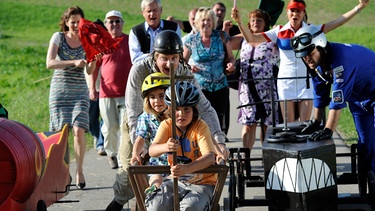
x=22 y=160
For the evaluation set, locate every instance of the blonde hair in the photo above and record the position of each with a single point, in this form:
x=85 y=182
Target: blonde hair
x=205 y=12
x=148 y=108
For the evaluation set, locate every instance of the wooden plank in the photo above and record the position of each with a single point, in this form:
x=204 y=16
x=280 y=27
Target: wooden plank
x=138 y=181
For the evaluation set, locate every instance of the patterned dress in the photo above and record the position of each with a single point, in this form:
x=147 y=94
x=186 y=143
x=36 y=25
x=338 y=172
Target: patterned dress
x=265 y=58
x=210 y=60
x=69 y=96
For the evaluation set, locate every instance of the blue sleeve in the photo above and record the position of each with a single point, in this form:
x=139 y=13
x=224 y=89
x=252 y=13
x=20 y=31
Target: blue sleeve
x=178 y=31
x=344 y=68
x=342 y=85
x=321 y=92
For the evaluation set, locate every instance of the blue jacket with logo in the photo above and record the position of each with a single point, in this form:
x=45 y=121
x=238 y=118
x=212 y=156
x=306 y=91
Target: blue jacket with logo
x=353 y=73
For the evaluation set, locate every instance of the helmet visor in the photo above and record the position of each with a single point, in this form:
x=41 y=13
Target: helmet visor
x=304 y=39
x=304 y=52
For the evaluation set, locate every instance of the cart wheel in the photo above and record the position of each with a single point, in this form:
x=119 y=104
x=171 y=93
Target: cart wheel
x=371 y=189
x=41 y=206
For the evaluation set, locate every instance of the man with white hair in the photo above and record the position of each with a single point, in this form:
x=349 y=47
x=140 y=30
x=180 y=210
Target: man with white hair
x=141 y=37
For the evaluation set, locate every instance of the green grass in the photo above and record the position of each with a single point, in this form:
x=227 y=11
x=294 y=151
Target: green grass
x=346 y=127
x=27 y=25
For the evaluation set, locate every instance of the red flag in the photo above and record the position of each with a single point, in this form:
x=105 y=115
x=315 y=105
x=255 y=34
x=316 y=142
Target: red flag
x=95 y=39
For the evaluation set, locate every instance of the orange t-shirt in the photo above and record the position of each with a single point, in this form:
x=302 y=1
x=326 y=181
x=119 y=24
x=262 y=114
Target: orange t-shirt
x=197 y=142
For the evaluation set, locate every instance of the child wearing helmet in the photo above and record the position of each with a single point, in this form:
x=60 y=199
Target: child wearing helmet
x=167 y=54
x=193 y=144
x=155 y=111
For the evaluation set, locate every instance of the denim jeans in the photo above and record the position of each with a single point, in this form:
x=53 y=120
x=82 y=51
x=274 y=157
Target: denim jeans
x=95 y=124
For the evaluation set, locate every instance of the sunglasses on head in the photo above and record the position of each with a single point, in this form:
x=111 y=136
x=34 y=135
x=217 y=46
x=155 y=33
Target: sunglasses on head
x=204 y=9
x=304 y=39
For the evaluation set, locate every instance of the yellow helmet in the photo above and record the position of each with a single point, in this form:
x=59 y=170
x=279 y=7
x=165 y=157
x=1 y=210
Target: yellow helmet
x=152 y=81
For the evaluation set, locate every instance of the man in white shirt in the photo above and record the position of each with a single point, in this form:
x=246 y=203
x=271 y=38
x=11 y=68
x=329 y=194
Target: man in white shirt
x=141 y=37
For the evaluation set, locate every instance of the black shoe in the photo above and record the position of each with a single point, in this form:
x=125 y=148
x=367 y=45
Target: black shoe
x=226 y=139
x=112 y=161
x=81 y=185
x=114 y=206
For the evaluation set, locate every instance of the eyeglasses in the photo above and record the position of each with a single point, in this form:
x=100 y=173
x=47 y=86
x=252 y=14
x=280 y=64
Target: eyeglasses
x=304 y=39
x=166 y=59
x=116 y=21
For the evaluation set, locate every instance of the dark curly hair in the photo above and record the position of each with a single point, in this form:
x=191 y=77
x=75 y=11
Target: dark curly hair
x=66 y=15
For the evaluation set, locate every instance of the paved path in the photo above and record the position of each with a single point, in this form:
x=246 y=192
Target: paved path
x=99 y=177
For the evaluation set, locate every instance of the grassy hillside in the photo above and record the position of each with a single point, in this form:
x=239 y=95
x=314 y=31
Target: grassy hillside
x=27 y=25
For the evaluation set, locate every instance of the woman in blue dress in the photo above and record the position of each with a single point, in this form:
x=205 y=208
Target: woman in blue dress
x=207 y=48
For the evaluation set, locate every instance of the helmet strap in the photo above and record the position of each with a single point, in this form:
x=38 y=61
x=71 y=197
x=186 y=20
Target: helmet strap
x=184 y=63
x=161 y=115
x=325 y=63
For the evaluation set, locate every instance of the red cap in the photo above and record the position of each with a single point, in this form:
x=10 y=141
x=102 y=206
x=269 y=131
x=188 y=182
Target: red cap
x=296 y=5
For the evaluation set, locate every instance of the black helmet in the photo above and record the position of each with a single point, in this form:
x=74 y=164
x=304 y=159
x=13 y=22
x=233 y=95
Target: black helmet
x=186 y=94
x=168 y=42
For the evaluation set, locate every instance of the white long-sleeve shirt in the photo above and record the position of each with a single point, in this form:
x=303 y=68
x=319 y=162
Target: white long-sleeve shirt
x=135 y=47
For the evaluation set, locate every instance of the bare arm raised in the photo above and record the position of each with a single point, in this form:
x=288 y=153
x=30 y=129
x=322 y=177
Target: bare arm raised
x=346 y=17
x=247 y=34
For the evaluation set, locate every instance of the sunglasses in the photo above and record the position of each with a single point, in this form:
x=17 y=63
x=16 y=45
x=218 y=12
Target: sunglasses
x=116 y=21
x=304 y=39
x=204 y=9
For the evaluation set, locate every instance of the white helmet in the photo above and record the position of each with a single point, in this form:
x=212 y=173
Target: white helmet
x=306 y=39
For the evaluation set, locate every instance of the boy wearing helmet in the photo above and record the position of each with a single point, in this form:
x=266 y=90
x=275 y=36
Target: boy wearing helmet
x=167 y=53
x=168 y=50
x=346 y=72
x=194 y=143
x=155 y=111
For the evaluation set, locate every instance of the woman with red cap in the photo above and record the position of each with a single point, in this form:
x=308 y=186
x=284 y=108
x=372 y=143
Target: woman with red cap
x=289 y=85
